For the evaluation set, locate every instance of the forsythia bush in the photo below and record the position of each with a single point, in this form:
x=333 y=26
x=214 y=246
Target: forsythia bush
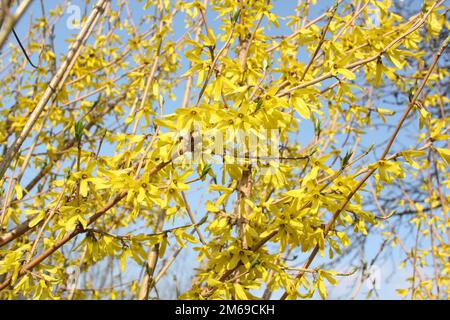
x=267 y=144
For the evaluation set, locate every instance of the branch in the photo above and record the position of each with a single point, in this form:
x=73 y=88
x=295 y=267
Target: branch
x=11 y=20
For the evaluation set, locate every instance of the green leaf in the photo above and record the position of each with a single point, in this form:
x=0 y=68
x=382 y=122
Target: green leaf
x=317 y=127
x=235 y=15
x=346 y=158
x=79 y=127
x=205 y=171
